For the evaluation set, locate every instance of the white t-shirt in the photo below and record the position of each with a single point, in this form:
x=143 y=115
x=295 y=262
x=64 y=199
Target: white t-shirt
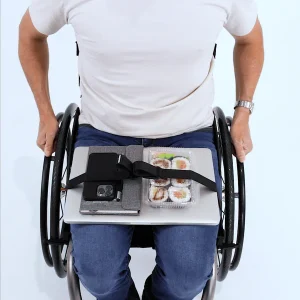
x=146 y=67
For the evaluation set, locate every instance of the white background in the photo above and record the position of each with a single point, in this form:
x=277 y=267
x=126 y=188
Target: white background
x=269 y=268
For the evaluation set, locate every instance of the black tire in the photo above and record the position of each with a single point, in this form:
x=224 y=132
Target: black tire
x=226 y=229
x=241 y=195
x=44 y=233
x=60 y=231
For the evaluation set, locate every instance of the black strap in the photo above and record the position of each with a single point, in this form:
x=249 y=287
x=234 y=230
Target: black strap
x=145 y=170
x=215 y=51
x=77 y=49
x=121 y=162
x=77 y=54
x=76 y=181
x=125 y=163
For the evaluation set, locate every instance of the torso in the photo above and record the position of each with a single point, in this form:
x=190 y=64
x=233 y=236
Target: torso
x=141 y=61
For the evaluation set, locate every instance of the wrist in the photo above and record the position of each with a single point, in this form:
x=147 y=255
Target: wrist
x=244 y=104
x=46 y=114
x=241 y=114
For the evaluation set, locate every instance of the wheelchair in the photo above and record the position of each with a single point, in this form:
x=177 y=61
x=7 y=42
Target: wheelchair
x=55 y=234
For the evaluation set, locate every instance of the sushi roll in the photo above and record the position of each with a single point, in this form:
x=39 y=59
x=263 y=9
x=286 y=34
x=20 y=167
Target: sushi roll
x=179 y=195
x=181 y=182
x=161 y=162
x=158 y=194
x=164 y=164
x=181 y=163
x=160 y=182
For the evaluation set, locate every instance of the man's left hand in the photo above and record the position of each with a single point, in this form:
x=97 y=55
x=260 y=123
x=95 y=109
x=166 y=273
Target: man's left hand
x=240 y=133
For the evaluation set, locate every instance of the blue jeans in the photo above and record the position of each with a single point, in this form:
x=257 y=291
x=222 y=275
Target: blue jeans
x=184 y=254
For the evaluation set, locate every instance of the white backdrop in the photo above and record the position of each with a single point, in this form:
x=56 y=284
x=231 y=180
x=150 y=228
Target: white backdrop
x=269 y=268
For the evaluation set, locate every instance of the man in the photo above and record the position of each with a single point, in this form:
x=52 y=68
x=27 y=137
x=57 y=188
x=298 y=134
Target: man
x=146 y=78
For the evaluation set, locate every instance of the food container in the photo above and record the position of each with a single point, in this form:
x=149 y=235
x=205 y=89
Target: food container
x=171 y=192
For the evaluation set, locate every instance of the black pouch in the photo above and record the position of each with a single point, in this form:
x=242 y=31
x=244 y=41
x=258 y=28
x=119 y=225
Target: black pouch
x=104 y=176
x=103 y=179
x=108 y=167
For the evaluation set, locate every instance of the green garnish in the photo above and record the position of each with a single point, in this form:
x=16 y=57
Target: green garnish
x=165 y=155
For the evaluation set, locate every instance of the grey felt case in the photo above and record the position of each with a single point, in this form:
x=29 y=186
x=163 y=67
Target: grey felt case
x=132 y=188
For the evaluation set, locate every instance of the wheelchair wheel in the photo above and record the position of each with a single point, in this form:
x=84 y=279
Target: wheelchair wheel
x=241 y=195
x=62 y=159
x=226 y=228
x=44 y=206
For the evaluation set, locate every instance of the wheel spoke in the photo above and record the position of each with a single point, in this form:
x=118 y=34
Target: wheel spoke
x=219 y=259
x=66 y=253
x=61 y=211
x=64 y=173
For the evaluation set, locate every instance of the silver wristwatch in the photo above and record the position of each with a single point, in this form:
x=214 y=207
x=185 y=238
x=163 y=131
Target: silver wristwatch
x=247 y=104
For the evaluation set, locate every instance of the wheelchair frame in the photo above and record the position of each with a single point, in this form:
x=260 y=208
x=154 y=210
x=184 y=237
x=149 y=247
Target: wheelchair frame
x=56 y=240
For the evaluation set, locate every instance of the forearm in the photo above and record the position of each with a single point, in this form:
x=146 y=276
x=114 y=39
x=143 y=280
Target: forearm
x=34 y=58
x=248 y=63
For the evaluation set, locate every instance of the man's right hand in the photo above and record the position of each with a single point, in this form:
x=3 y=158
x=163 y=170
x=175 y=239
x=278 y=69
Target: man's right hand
x=48 y=129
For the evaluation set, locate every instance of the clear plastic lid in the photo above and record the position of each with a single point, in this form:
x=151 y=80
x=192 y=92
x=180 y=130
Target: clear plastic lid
x=169 y=192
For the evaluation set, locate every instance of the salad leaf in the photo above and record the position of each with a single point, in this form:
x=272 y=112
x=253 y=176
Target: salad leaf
x=166 y=155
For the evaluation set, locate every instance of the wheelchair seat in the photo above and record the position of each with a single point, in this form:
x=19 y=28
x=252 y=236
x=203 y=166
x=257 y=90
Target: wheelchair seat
x=142 y=237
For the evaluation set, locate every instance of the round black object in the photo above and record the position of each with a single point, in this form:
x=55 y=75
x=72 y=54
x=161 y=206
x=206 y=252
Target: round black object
x=60 y=231
x=226 y=227
x=241 y=195
x=44 y=206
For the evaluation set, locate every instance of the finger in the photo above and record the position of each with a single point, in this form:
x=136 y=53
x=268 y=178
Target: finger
x=54 y=145
x=233 y=150
x=240 y=152
x=248 y=147
x=49 y=145
x=41 y=143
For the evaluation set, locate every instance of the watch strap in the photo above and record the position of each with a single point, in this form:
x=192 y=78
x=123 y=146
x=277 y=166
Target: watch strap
x=246 y=104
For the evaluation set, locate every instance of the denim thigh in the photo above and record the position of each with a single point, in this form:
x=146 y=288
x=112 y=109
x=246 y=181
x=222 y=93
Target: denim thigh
x=100 y=252
x=185 y=254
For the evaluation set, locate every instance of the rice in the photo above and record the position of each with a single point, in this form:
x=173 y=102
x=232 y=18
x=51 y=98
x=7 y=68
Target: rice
x=181 y=163
x=181 y=182
x=160 y=182
x=158 y=194
x=179 y=195
x=161 y=162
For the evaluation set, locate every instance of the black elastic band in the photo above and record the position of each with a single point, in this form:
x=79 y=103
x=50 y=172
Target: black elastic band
x=145 y=170
x=76 y=181
x=215 y=51
x=77 y=49
x=125 y=163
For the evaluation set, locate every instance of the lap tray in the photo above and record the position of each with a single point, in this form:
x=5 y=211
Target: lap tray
x=204 y=211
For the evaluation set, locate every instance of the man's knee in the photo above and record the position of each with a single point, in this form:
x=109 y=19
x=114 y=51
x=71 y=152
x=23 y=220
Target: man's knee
x=101 y=257
x=190 y=276
x=185 y=259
